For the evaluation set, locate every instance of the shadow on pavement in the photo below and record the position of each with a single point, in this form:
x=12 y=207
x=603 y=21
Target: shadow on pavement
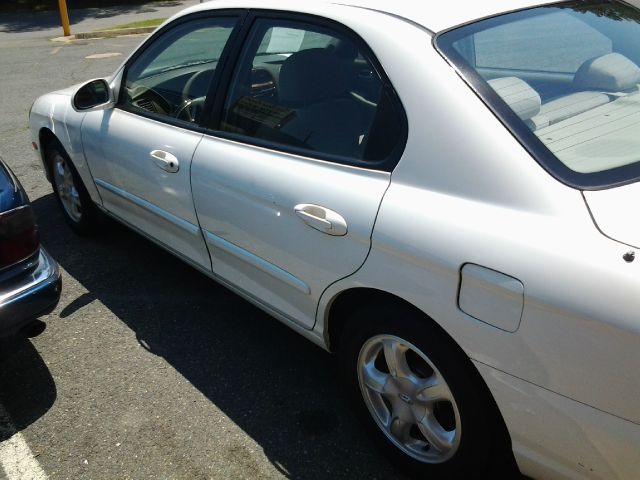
x=275 y=385
x=35 y=21
x=27 y=390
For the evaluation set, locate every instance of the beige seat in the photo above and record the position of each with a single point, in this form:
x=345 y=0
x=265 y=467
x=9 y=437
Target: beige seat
x=519 y=96
x=601 y=79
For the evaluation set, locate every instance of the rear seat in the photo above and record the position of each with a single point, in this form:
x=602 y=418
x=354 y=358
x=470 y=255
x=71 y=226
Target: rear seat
x=565 y=107
x=600 y=80
x=519 y=96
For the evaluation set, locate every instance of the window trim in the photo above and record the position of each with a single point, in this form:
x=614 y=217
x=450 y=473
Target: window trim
x=443 y=43
x=212 y=126
x=238 y=14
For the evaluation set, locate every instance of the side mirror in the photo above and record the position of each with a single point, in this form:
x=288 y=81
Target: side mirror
x=92 y=96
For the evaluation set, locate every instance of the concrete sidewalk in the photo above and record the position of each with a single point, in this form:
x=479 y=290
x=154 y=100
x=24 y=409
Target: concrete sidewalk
x=20 y=26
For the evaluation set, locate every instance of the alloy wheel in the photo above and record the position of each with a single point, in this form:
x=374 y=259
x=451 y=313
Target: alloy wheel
x=66 y=188
x=409 y=399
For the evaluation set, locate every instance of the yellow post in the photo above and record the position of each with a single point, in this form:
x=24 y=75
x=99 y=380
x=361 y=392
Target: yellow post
x=64 y=16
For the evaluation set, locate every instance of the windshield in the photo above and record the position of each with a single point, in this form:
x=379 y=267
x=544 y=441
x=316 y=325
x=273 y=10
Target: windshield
x=565 y=79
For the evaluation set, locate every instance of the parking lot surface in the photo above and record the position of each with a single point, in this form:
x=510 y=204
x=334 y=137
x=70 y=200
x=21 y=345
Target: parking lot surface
x=147 y=369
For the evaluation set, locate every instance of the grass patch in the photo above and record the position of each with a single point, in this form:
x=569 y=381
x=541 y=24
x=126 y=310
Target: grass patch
x=153 y=22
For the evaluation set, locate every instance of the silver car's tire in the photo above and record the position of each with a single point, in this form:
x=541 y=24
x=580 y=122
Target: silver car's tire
x=418 y=395
x=77 y=207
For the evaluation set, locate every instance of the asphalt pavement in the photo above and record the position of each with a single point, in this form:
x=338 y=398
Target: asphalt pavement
x=147 y=369
x=24 y=25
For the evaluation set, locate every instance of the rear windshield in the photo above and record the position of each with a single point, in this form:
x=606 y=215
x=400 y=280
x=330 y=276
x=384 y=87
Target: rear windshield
x=565 y=78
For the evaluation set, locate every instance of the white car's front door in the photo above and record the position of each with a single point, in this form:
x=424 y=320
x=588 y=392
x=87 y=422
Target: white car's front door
x=140 y=152
x=288 y=185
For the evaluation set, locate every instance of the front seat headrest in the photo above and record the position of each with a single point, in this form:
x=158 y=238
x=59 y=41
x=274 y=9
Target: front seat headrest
x=312 y=75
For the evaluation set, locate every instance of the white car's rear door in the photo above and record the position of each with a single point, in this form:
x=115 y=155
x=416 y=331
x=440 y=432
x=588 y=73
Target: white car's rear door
x=288 y=184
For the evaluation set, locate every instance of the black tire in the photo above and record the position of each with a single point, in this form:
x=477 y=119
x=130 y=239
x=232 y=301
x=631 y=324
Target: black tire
x=479 y=433
x=84 y=217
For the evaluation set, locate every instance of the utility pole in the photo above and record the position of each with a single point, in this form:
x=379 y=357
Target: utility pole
x=64 y=16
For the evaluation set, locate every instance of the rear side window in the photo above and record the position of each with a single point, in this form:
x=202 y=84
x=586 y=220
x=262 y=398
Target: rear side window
x=308 y=89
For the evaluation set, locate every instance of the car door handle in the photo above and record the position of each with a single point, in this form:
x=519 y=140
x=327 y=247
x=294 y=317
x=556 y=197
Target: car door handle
x=322 y=219
x=165 y=160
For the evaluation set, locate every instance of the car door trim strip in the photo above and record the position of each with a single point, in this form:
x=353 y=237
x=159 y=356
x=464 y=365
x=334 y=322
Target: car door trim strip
x=257 y=262
x=150 y=207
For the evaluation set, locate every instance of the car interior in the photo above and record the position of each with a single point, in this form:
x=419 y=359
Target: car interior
x=314 y=91
x=178 y=93
x=171 y=77
x=591 y=127
x=570 y=74
x=323 y=99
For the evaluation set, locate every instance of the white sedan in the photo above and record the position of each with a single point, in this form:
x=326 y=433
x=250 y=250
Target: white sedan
x=443 y=193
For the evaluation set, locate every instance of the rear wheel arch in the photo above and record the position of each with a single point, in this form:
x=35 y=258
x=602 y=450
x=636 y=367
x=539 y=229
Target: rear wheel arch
x=347 y=302
x=343 y=308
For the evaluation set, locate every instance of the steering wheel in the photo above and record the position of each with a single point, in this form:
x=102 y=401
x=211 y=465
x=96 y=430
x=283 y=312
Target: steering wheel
x=190 y=110
x=200 y=75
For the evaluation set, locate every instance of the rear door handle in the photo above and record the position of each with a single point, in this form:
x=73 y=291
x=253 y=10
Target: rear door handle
x=322 y=219
x=165 y=160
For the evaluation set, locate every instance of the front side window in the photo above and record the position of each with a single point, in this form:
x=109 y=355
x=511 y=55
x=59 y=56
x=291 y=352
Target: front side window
x=172 y=76
x=311 y=89
x=566 y=79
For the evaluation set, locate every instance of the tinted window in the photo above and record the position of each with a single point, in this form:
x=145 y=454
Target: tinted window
x=566 y=79
x=562 y=43
x=172 y=76
x=310 y=88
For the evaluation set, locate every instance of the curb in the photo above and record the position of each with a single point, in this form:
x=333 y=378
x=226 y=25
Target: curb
x=106 y=33
x=115 y=33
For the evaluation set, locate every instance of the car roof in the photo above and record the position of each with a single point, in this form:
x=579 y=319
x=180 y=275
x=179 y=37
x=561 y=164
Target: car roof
x=437 y=16
x=434 y=16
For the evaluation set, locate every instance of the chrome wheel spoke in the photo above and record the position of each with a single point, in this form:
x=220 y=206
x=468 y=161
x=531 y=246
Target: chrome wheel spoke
x=438 y=437
x=394 y=355
x=433 y=390
x=400 y=429
x=374 y=379
x=60 y=169
x=75 y=197
x=66 y=189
